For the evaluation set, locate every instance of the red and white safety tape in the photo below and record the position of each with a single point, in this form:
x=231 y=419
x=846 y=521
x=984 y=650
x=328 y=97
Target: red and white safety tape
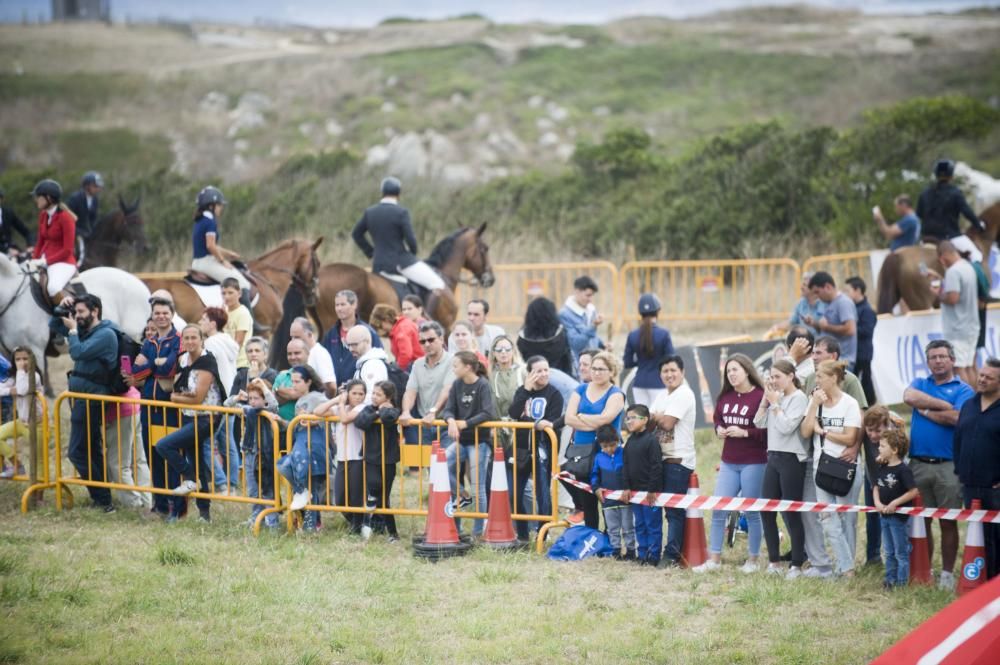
x=699 y=502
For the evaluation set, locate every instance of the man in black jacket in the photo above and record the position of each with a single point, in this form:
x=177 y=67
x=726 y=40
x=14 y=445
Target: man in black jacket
x=536 y=401
x=84 y=203
x=939 y=207
x=395 y=244
x=643 y=473
x=867 y=319
x=10 y=222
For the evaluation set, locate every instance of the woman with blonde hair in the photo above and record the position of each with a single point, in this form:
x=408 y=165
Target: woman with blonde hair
x=833 y=420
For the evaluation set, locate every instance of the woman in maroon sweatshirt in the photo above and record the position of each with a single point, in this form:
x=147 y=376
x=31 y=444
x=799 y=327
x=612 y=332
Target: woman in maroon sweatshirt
x=744 y=455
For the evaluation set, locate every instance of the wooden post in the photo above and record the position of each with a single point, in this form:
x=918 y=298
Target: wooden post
x=33 y=456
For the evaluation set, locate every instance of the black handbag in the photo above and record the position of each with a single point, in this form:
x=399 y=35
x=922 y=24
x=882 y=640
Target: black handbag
x=833 y=475
x=580 y=460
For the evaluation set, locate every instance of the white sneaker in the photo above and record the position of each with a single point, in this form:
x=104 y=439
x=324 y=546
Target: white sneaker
x=185 y=488
x=366 y=532
x=946 y=581
x=817 y=573
x=793 y=573
x=300 y=500
x=707 y=567
x=774 y=569
x=749 y=567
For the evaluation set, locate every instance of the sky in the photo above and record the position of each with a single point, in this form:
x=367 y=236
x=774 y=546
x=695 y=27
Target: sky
x=341 y=13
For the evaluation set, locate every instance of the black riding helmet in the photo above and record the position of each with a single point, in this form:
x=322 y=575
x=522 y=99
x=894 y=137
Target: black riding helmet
x=944 y=168
x=391 y=186
x=49 y=188
x=210 y=196
x=92 y=178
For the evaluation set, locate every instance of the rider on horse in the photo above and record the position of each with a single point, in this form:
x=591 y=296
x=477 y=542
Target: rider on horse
x=84 y=203
x=211 y=258
x=395 y=248
x=56 y=236
x=939 y=207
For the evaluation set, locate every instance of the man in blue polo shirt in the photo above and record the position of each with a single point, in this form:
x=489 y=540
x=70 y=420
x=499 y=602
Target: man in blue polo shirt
x=977 y=455
x=936 y=401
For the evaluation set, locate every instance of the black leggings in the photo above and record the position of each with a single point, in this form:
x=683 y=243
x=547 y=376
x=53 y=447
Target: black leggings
x=784 y=478
x=349 y=490
x=585 y=501
x=375 y=490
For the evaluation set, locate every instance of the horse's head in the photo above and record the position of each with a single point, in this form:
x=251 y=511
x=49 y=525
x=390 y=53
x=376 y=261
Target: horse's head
x=305 y=272
x=131 y=227
x=477 y=257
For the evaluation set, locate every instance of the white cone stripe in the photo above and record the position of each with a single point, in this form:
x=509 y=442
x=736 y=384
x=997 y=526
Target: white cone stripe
x=974 y=536
x=917 y=528
x=499 y=481
x=439 y=477
x=984 y=618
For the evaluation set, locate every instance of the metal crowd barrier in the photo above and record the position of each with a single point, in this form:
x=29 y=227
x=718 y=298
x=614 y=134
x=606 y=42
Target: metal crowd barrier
x=15 y=442
x=132 y=477
x=348 y=494
x=712 y=290
x=517 y=283
x=842 y=266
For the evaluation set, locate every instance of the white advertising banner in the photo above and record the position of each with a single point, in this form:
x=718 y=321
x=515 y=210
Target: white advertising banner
x=899 y=349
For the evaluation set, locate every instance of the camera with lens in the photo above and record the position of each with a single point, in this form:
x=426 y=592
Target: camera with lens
x=61 y=312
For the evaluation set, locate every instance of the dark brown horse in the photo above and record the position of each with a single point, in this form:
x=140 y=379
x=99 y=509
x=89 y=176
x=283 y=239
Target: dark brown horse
x=123 y=227
x=900 y=279
x=464 y=248
x=292 y=263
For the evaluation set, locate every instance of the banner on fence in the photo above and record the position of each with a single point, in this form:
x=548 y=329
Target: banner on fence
x=899 y=349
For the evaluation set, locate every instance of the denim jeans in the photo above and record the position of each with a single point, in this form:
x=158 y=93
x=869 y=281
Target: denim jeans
x=648 y=532
x=896 y=542
x=838 y=527
x=229 y=452
x=676 y=478
x=86 y=446
x=295 y=467
x=163 y=476
x=178 y=449
x=540 y=489
x=456 y=455
x=744 y=480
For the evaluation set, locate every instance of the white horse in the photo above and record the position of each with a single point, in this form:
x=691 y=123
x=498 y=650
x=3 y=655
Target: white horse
x=23 y=323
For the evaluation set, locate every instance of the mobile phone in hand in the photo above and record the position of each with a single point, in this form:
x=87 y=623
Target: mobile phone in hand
x=126 y=364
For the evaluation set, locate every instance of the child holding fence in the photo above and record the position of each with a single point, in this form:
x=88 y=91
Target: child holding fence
x=381 y=454
x=257 y=444
x=894 y=488
x=14 y=433
x=607 y=476
x=349 y=483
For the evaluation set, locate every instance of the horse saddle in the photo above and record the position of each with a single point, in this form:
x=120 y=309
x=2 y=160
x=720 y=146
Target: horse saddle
x=40 y=288
x=405 y=287
x=210 y=291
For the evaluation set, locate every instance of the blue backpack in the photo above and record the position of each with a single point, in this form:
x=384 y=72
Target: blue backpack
x=580 y=542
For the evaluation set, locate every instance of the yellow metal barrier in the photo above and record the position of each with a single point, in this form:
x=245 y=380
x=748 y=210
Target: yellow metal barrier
x=15 y=446
x=115 y=422
x=311 y=439
x=711 y=290
x=517 y=283
x=842 y=266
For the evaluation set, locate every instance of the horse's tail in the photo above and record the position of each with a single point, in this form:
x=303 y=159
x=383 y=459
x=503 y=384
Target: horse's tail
x=888 y=283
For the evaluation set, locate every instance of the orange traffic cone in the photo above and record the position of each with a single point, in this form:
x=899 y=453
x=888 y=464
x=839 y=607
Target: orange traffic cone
x=694 y=551
x=499 y=523
x=974 y=556
x=440 y=537
x=920 y=556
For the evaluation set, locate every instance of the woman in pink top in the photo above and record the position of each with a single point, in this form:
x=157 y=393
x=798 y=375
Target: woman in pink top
x=125 y=461
x=744 y=455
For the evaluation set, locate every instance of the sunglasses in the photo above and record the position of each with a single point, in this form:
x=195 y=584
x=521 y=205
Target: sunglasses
x=428 y=340
x=503 y=349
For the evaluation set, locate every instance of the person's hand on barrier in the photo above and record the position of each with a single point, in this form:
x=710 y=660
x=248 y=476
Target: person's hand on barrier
x=888 y=509
x=453 y=430
x=405 y=418
x=542 y=424
x=600 y=493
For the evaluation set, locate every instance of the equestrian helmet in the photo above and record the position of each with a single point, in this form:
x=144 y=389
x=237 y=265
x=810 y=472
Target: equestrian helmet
x=648 y=304
x=944 y=168
x=210 y=196
x=92 y=178
x=391 y=186
x=49 y=188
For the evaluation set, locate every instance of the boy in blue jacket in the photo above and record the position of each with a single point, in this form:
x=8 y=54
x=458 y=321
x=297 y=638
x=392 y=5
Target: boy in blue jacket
x=607 y=476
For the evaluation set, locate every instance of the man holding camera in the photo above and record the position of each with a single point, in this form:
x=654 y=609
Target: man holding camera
x=93 y=346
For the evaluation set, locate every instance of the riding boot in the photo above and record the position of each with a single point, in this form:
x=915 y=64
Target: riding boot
x=258 y=329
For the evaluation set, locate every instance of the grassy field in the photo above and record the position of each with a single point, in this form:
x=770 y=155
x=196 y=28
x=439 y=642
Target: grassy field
x=83 y=587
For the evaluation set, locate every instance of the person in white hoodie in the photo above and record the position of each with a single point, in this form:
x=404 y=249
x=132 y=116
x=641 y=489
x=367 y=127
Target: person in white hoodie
x=371 y=367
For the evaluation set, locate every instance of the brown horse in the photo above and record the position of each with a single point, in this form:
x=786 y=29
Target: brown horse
x=119 y=228
x=292 y=263
x=464 y=248
x=901 y=279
